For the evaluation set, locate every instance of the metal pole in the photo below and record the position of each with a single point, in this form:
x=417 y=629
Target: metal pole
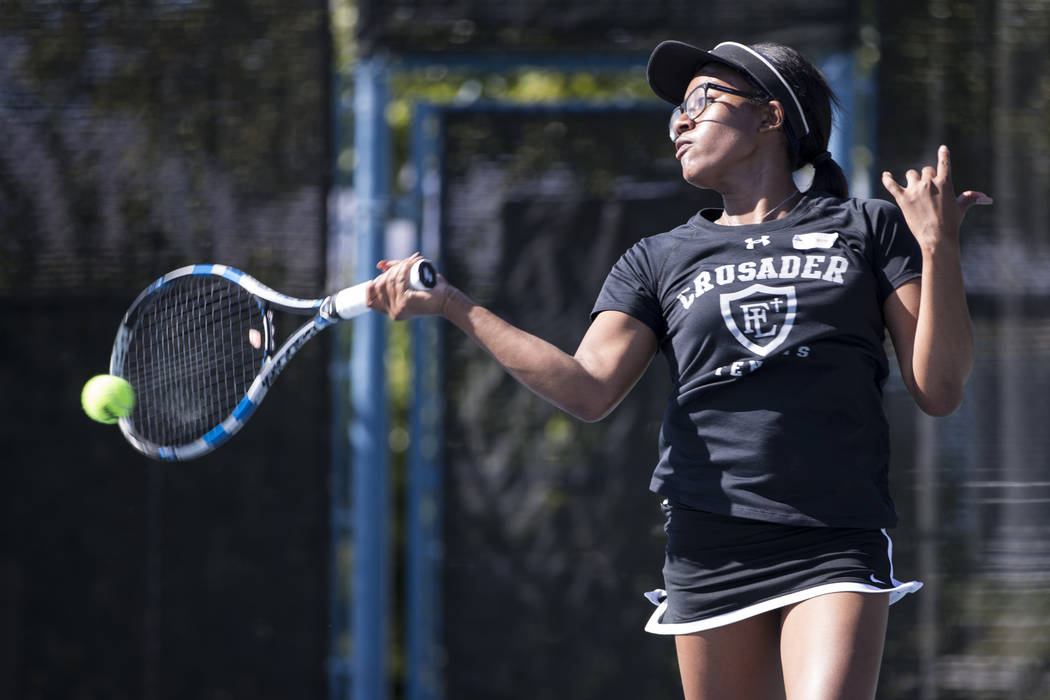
x=838 y=69
x=927 y=443
x=368 y=425
x=339 y=528
x=424 y=499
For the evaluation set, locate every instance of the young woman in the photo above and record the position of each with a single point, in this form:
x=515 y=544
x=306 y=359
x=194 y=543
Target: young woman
x=771 y=313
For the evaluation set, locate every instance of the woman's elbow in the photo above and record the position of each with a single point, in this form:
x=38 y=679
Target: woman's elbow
x=592 y=407
x=589 y=413
x=942 y=402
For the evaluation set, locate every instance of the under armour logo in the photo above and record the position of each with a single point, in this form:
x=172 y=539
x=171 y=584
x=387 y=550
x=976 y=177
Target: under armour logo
x=752 y=242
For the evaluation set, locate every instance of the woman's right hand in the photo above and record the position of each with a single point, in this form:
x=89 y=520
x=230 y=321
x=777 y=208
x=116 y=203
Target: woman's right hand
x=390 y=293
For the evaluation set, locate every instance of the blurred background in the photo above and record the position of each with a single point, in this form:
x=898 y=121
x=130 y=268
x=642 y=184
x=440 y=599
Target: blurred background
x=470 y=541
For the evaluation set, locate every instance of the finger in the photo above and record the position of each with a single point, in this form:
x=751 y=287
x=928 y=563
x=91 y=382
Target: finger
x=970 y=198
x=928 y=173
x=407 y=263
x=401 y=276
x=944 y=164
x=891 y=185
x=980 y=197
x=372 y=296
x=912 y=177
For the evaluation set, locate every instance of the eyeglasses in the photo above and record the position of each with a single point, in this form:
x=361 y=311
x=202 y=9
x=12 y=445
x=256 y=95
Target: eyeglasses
x=697 y=100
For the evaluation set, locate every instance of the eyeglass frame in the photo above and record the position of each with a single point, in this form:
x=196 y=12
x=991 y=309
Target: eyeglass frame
x=680 y=109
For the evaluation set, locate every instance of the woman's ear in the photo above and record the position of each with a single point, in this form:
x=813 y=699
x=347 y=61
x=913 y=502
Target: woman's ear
x=772 y=116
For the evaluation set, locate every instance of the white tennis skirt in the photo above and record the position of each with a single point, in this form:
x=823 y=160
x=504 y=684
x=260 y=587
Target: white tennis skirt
x=721 y=569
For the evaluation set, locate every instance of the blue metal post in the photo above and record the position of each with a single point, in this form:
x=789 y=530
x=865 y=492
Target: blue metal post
x=423 y=501
x=368 y=426
x=838 y=71
x=340 y=531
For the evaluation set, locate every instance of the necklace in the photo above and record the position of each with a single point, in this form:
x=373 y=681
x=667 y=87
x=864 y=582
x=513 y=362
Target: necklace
x=774 y=209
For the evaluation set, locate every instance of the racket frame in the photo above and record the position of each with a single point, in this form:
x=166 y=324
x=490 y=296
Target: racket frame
x=342 y=305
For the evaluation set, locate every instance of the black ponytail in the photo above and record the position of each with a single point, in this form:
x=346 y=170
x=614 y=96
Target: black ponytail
x=817 y=99
x=828 y=177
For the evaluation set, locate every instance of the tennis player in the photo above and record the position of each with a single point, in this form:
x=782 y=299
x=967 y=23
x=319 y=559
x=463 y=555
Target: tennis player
x=771 y=313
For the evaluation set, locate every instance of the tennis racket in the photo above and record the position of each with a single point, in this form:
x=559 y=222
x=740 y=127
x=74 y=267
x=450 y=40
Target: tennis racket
x=198 y=347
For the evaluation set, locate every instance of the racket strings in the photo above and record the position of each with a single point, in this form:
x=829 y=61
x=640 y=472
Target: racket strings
x=193 y=353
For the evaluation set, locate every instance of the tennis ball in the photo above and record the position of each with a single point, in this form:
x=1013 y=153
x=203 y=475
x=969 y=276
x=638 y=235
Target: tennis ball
x=107 y=398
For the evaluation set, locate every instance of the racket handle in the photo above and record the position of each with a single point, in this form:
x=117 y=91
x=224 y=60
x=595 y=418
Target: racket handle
x=351 y=301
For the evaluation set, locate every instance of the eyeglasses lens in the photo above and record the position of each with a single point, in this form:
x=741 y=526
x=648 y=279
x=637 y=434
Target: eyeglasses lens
x=694 y=104
x=675 y=113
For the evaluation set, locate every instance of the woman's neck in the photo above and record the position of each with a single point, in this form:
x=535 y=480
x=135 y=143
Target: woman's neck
x=761 y=210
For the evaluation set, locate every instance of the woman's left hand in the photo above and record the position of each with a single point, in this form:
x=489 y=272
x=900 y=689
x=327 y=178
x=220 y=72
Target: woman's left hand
x=929 y=204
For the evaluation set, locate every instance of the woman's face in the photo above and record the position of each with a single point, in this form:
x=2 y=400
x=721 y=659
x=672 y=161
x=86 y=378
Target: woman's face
x=723 y=135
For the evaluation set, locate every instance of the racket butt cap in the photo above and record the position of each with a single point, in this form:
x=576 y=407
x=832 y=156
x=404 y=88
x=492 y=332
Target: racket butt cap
x=422 y=275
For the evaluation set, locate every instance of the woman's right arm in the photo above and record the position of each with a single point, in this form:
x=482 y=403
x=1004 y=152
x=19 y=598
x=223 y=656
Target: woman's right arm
x=611 y=358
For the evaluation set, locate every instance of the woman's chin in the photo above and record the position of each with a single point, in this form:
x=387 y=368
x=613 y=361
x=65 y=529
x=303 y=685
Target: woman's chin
x=699 y=179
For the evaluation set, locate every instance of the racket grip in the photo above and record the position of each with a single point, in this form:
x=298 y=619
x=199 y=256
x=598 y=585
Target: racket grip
x=352 y=302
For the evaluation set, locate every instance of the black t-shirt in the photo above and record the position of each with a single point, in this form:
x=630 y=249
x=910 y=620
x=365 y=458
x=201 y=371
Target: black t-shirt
x=773 y=334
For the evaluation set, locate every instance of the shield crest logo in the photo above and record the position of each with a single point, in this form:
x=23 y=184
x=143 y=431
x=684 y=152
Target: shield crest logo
x=760 y=317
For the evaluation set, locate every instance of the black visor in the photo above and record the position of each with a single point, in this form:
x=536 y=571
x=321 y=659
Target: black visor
x=674 y=64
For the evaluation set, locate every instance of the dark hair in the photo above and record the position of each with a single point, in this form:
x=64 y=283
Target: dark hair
x=817 y=99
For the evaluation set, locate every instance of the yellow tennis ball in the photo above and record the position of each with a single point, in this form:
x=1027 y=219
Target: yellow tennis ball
x=107 y=398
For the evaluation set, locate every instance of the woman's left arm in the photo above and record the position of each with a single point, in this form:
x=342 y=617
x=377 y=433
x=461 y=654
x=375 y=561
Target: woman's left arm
x=928 y=319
